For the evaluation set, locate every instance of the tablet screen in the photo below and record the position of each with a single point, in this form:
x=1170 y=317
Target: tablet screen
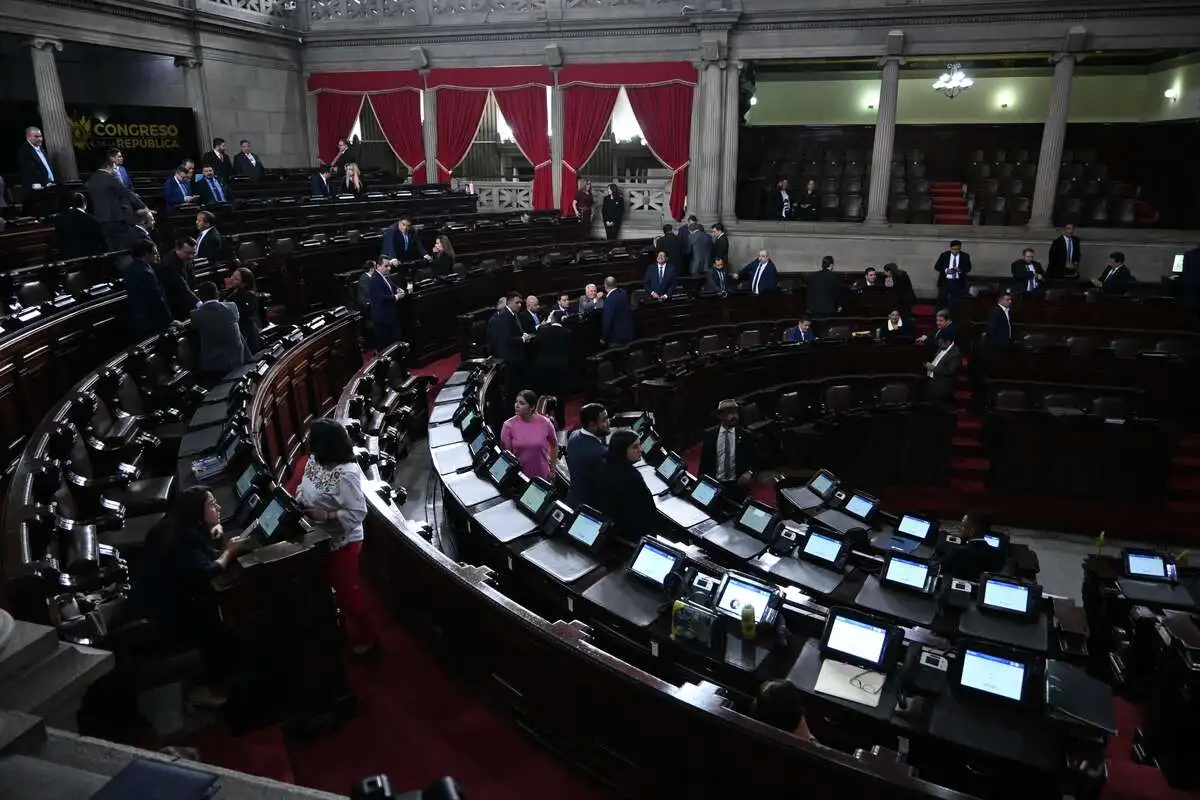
x=667 y=469
x=738 y=593
x=914 y=527
x=478 y=443
x=704 y=493
x=992 y=539
x=469 y=419
x=821 y=483
x=860 y=506
x=992 y=674
x=860 y=640
x=268 y=521
x=756 y=519
x=585 y=530
x=822 y=547
x=246 y=482
x=649 y=443
x=499 y=469
x=533 y=498
x=908 y=573
x=1146 y=565
x=653 y=563
x=1008 y=596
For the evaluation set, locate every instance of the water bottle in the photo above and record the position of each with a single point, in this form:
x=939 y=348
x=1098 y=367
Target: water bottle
x=749 y=626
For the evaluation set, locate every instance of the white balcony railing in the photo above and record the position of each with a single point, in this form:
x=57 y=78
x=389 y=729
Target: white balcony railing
x=646 y=201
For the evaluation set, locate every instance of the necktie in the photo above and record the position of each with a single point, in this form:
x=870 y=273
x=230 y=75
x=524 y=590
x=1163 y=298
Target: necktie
x=662 y=271
x=727 y=467
x=721 y=279
x=250 y=157
x=217 y=191
x=182 y=191
x=1069 y=249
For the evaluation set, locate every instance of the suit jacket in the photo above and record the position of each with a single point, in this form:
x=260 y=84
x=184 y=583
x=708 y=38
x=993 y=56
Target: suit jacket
x=718 y=280
x=944 y=382
x=173 y=195
x=943 y=263
x=248 y=319
x=222 y=167
x=382 y=292
x=508 y=334
x=794 y=335
x=244 y=169
x=902 y=288
x=616 y=321
x=624 y=498
x=1020 y=275
x=124 y=177
x=175 y=277
x=553 y=353
x=584 y=305
x=78 y=234
x=1056 y=261
x=931 y=343
x=208 y=195
x=745 y=454
x=394 y=245
x=767 y=283
x=209 y=246
x=1116 y=280
x=319 y=188
x=1000 y=330
x=148 y=311
x=700 y=246
x=824 y=292
x=775 y=205
x=665 y=285
x=530 y=323
x=584 y=454
x=673 y=245
x=222 y=348
x=111 y=201
x=720 y=249
x=31 y=168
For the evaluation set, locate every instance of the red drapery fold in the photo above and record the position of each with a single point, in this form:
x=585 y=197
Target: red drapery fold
x=336 y=114
x=399 y=115
x=586 y=111
x=459 y=113
x=371 y=82
x=664 y=114
x=525 y=112
x=650 y=73
x=488 y=78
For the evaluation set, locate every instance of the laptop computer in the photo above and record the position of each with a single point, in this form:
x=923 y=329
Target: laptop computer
x=814 y=494
x=910 y=533
x=856 y=513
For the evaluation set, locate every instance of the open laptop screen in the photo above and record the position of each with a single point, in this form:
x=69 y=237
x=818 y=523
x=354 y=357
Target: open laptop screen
x=914 y=527
x=822 y=547
x=860 y=506
x=1146 y=565
x=859 y=640
x=992 y=674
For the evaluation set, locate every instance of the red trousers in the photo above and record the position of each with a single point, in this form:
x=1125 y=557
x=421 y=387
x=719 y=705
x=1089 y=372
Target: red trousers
x=346 y=581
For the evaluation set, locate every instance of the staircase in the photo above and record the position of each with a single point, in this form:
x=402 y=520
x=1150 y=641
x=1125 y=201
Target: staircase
x=949 y=200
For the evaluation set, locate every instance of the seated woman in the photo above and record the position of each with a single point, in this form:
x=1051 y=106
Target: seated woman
x=173 y=586
x=530 y=436
x=242 y=294
x=443 y=256
x=353 y=183
x=620 y=491
x=331 y=492
x=898 y=327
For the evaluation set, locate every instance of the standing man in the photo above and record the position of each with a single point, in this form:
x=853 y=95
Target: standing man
x=942 y=372
x=247 y=165
x=616 y=317
x=218 y=160
x=178 y=189
x=728 y=454
x=148 y=312
x=208 y=238
x=699 y=247
x=118 y=160
x=175 y=276
x=222 y=348
x=952 y=268
x=659 y=280
x=319 y=185
x=212 y=189
x=585 y=450
x=1065 y=254
x=781 y=205
x=761 y=274
x=720 y=242
x=402 y=245
x=823 y=290
x=1028 y=275
x=37 y=175
x=671 y=244
x=114 y=206
x=999 y=325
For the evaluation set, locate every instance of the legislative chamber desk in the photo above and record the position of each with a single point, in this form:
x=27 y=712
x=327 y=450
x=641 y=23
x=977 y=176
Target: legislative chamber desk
x=588 y=663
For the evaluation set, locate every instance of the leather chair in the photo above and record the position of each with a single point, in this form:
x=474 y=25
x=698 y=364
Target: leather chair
x=636 y=361
x=852 y=208
x=831 y=205
x=751 y=338
x=1079 y=345
x=1011 y=400
x=1110 y=407
x=894 y=394
x=995 y=211
x=918 y=186
x=839 y=399
x=790 y=408
x=121 y=398
x=839 y=332
x=921 y=211
x=674 y=352
x=1036 y=341
x=898 y=210
x=1126 y=348
x=915 y=170
x=90 y=488
x=1060 y=400
x=1173 y=347
x=711 y=343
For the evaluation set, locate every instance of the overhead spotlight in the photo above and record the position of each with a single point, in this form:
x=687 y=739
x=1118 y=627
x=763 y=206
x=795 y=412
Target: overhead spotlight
x=1172 y=94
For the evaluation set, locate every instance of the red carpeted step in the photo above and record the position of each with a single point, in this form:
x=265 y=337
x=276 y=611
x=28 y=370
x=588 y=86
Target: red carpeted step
x=1130 y=781
x=967 y=486
x=969 y=422
x=963 y=465
x=965 y=443
x=1186 y=462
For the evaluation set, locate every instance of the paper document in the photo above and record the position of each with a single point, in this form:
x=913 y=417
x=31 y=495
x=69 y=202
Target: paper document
x=848 y=682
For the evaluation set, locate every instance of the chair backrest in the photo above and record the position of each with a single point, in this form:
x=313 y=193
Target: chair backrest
x=1174 y=347
x=749 y=413
x=77 y=282
x=1079 y=345
x=33 y=293
x=1110 y=407
x=710 y=343
x=1036 y=341
x=894 y=394
x=1011 y=400
x=839 y=399
x=1060 y=400
x=1126 y=348
x=751 y=338
x=674 y=351
x=853 y=206
x=637 y=359
x=838 y=332
x=790 y=407
x=605 y=371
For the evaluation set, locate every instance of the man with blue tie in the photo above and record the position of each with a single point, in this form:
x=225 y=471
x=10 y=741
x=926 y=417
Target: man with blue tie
x=212 y=192
x=320 y=183
x=37 y=175
x=717 y=279
x=761 y=274
x=401 y=244
x=385 y=314
x=118 y=161
x=178 y=189
x=800 y=333
x=659 y=282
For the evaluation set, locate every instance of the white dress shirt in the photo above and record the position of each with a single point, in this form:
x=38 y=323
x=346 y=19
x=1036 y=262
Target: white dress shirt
x=952 y=270
x=1032 y=284
x=938 y=359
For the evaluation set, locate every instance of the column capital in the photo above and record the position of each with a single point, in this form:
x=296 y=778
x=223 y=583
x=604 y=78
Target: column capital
x=45 y=43
x=1074 y=57
x=187 y=62
x=883 y=61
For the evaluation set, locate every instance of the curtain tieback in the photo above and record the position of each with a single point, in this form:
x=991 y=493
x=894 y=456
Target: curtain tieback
x=681 y=167
x=545 y=163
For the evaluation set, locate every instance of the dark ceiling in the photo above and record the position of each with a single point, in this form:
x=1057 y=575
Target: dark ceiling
x=1115 y=59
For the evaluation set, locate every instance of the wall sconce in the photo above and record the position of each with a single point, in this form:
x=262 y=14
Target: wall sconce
x=1005 y=99
x=870 y=101
x=753 y=100
x=1171 y=94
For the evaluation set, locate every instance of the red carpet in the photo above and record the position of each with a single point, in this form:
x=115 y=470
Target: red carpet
x=1128 y=780
x=949 y=203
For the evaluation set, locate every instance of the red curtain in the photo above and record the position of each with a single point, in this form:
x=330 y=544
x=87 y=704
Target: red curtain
x=458 y=115
x=586 y=112
x=664 y=114
x=399 y=115
x=336 y=114
x=525 y=112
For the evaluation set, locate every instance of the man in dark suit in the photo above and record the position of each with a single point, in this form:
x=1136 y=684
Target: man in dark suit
x=383 y=295
x=114 y=207
x=671 y=244
x=118 y=160
x=942 y=372
x=1065 y=254
x=213 y=190
x=37 y=174
x=77 y=232
x=952 y=267
x=319 y=185
x=780 y=204
x=616 y=318
x=591 y=299
x=585 y=451
x=1027 y=273
x=902 y=288
x=218 y=159
x=552 y=364
x=178 y=189
x=728 y=454
x=148 y=312
x=144 y=229
x=800 y=333
x=1000 y=333
x=699 y=247
x=563 y=306
x=514 y=341
x=530 y=316
x=402 y=245
x=717 y=278
x=208 y=238
x=1189 y=279
x=760 y=274
x=222 y=348
x=247 y=165
x=659 y=281
x=943 y=328
x=1116 y=278
x=720 y=242
x=175 y=276
x=823 y=289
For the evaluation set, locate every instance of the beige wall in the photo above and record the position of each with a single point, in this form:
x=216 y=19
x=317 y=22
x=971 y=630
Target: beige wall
x=1094 y=98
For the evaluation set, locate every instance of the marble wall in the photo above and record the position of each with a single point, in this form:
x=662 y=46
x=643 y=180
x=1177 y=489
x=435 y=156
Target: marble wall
x=264 y=104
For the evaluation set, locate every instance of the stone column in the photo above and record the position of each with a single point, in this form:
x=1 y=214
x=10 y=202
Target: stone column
x=310 y=119
x=694 y=145
x=193 y=80
x=707 y=168
x=556 y=138
x=729 y=145
x=885 y=139
x=56 y=126
x=1053 y=134
x=429 y=133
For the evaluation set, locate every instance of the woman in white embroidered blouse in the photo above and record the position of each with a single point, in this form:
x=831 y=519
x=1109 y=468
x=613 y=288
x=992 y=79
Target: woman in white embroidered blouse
x=331 y=492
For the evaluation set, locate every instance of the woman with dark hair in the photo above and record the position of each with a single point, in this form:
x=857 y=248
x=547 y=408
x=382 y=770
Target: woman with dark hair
x=243 y=295
x=902 y=288
x=552 y=363
x=443 y=256
x=173 y=586
x=621 y=493
x=613 y=212
x=331 y=493
x=530 y=436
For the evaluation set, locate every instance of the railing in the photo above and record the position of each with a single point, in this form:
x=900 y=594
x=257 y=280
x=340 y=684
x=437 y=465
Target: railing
x=270 y=8
x=644 y=202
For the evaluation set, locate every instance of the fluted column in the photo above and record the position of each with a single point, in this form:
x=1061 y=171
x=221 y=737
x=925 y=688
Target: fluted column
x=56 y=126
x=429 y=134
x=694 y=144
x=885 y=140
x=556 y=138
x=729 y=148
x=310 y=118
x=193 y=81
x=706 y=203
x=1053 y=134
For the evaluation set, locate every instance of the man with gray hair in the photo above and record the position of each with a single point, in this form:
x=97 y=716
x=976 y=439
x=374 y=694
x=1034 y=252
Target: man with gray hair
x=37 y=174
x=591 y=299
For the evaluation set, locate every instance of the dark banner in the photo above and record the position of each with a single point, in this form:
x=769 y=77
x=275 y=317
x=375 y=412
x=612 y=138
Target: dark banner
x=151 y=137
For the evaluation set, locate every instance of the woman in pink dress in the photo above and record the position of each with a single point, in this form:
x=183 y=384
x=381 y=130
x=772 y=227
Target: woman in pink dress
x=530 y=437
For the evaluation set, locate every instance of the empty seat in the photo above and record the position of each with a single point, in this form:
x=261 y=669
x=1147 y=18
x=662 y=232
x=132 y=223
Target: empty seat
x=831 y=205
x=995 y=211
x=1011 y=400
x=1019 y=210
x=894 y=394
x=1060 y=400
x=711 y=343
x=1110 y=407
x=1126 y=348
x=1036 y=341
x=839 y=399
x=841 y=332
x=1174 y=347
x=1079 y=345
x=898 y=210
x=674 y=351
x=33 y=293
x=790 y=407
x=751 y=338
x=852 y=207
x=636 y=360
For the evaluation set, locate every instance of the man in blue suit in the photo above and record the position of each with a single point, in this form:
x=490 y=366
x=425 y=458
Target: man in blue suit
x=616 y=320
x=760 y=274
x=660 y=278
x=585 y=451
x=178 y=189
x=320 y=183
x=148 y=312
x=213 y=190
x=118 y=161
x=401 y=243
x=385 y=314
x=800 y=333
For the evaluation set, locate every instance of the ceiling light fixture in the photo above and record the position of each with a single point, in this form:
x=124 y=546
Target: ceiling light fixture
x=953 y=81
x=1171 y=94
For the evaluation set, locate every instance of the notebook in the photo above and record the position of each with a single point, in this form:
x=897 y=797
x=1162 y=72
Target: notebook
x=147 y=779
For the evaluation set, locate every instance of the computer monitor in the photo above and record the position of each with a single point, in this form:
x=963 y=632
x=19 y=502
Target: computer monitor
x=477 y=445
x=669 y=468
x=649 y=442
x=501 y=469
x=993 y=673
x=860 y=639
x=1177 y=263
x=822 y=548
x=705 y=492
x=270 y=521
x=1146 y=565
x=758 y=520
x=914 y=527
x=1006 y=595
x=641 y=424
x=654 y=561
x=536 y=498
x=905 y=573
x=245 y=482
x=587 y=528
x=861 y=506
x=823 y=483
x=737 y=591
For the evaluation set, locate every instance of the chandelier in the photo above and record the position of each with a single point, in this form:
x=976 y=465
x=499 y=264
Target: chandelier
x=953 y=81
